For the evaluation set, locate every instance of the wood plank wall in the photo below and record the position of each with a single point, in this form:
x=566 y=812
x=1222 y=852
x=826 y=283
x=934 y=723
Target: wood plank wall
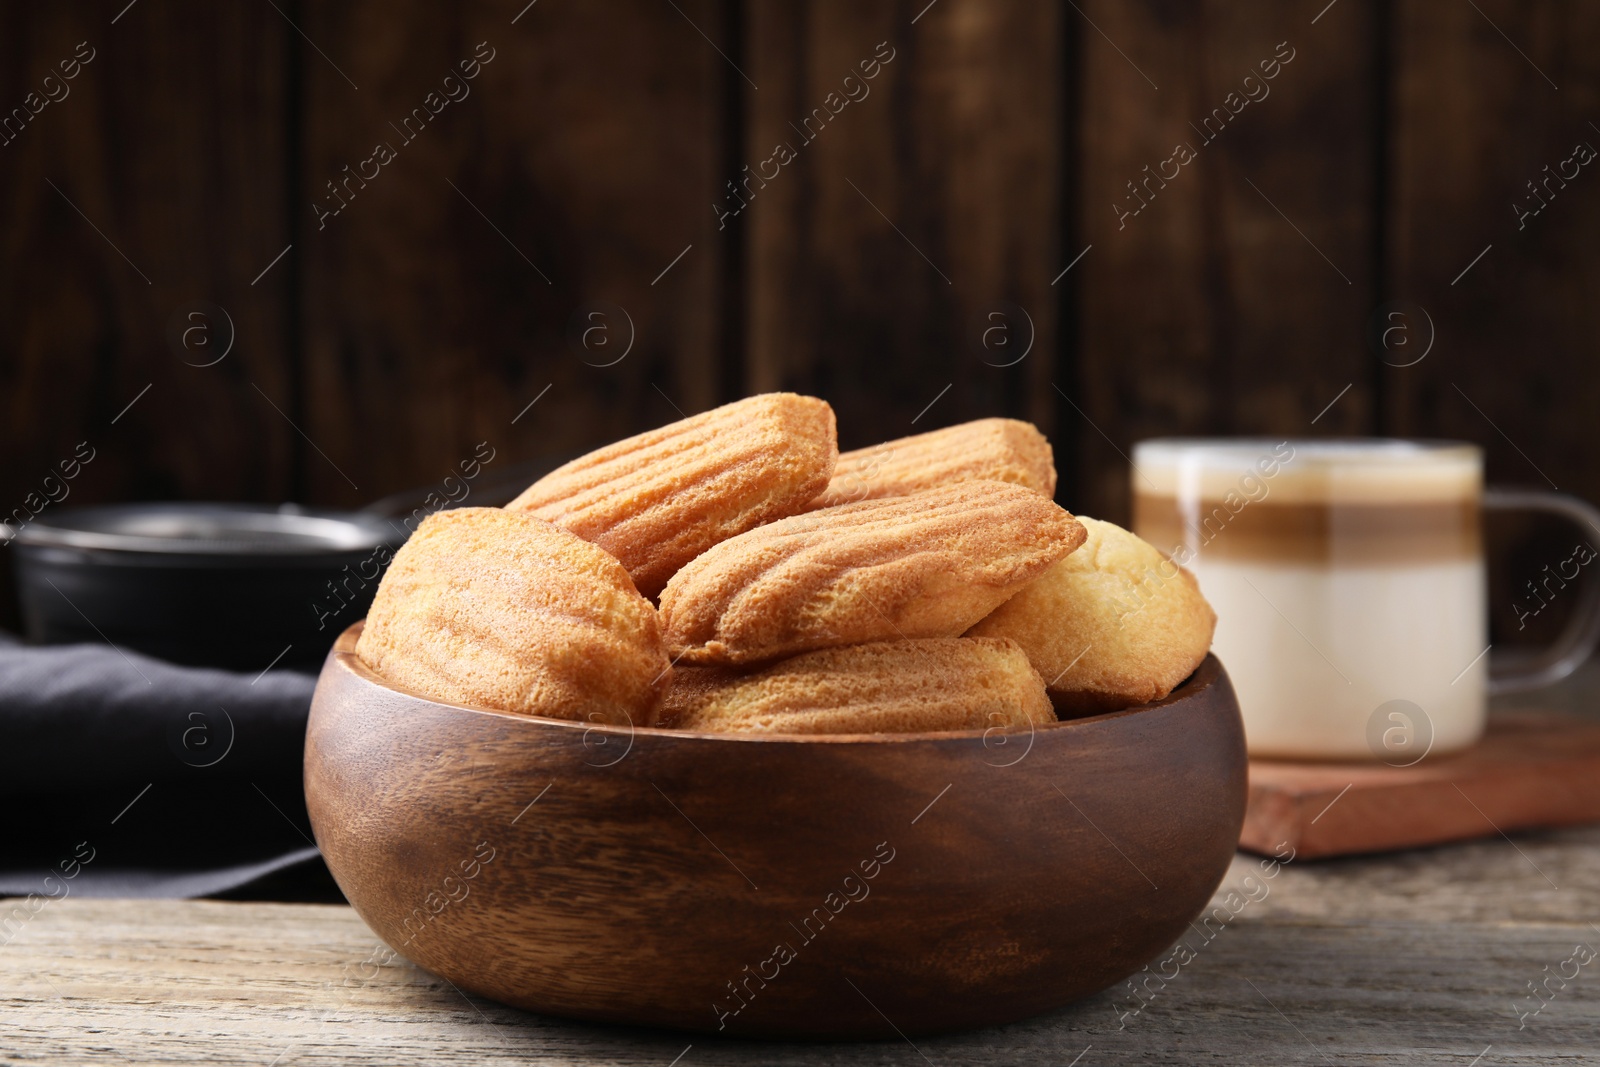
x=920 y=178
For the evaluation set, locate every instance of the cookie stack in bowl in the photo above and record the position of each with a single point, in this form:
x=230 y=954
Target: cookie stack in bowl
x=734 y=572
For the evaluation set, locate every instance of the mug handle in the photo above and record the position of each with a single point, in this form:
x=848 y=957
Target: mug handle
x=1583 y=629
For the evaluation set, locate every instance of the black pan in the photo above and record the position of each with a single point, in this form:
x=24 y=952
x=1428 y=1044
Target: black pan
x=240 y=586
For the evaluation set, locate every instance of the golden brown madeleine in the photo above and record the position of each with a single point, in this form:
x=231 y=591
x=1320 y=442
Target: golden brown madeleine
x=502 y=610
x=925 y=565
x=688 y=687
x=1114 y=624
x=658 y=500
x=892 y=687
x=1001 y=450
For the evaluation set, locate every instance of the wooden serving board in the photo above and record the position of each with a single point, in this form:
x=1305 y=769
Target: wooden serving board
x=1532 y=770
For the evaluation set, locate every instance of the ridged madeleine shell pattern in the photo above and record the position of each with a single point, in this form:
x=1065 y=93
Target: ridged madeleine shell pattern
x=930 y=564
x=495 y=609
x=942 y=683
x=1001 y=450
x=657 y=500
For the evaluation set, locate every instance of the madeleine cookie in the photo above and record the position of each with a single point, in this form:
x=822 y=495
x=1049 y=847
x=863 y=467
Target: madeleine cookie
x=930 y=564
x=1001 y=450
x=1114 y=624
x=500 y=610
x=658 y=500
x=890 y=687
x=689 y=687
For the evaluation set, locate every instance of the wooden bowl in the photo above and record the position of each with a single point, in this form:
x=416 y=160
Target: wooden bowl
x=819 y=887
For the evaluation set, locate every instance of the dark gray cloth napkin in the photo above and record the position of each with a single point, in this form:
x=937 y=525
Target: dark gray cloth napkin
x=132 y=777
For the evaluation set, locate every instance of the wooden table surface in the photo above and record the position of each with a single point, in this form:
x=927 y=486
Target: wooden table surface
x=1427 y=956
x=1424 y=957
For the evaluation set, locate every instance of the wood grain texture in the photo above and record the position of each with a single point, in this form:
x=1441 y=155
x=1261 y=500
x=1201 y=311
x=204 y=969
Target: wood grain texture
x=1550 y=876
x=878 y=254
x=170 y=142
x=1413 y=958
x=702 y=881
x=1530 y=771
x=1220 y=308
x=1474 y=123
x=599 y=140
x=582 y=165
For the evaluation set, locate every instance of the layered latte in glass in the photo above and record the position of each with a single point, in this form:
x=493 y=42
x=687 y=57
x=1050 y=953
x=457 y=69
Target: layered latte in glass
x=1347 y=577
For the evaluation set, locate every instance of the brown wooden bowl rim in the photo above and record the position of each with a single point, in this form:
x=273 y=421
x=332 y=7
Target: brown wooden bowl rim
x=344 y=649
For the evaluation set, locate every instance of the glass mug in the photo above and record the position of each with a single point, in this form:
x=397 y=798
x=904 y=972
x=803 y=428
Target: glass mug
x=1349 y=584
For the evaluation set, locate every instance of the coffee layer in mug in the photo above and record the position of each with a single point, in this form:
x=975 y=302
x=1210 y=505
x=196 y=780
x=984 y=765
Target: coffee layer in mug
x=1270 y=531
x=1355 y=471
